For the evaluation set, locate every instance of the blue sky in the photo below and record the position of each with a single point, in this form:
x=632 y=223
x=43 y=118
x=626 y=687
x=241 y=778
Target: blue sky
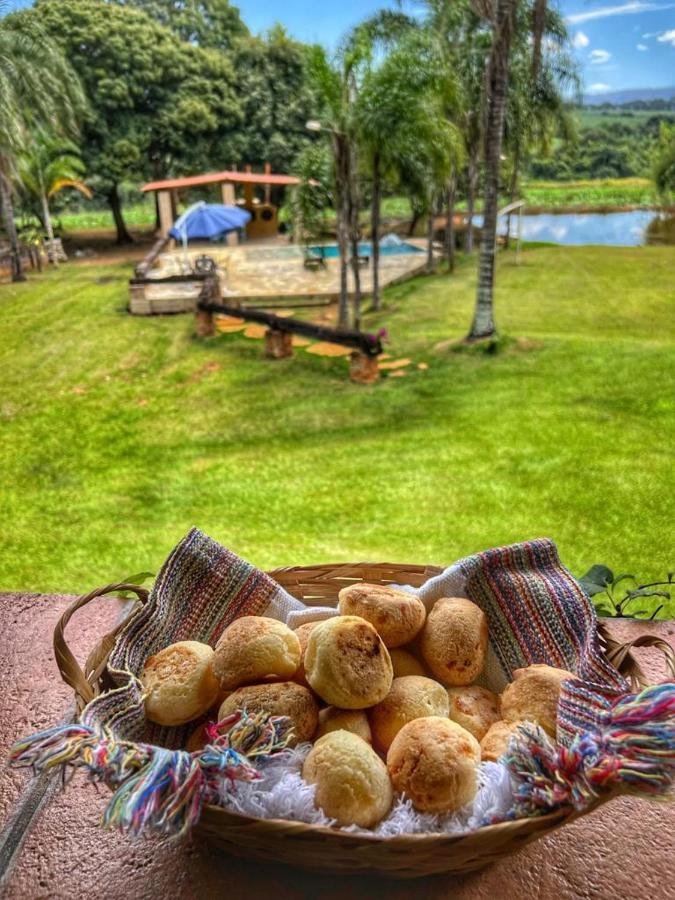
x=620 y=43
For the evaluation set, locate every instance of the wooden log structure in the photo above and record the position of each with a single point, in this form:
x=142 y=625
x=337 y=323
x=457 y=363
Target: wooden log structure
x=367 y=344
x=146 y=264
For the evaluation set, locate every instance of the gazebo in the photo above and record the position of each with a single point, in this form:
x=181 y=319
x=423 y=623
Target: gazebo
x=263 y=222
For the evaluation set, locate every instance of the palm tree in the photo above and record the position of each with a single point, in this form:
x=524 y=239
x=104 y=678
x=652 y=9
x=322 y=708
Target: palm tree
x=498 y=66
x=532 y=21
x=536 y=110
x=37 y=89
x=48 y=166
x=334 y=83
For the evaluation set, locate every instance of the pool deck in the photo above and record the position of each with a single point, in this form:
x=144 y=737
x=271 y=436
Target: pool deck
x=268 y=274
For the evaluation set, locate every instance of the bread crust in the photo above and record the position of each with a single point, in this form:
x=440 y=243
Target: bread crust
x=352 y=783
x=434 y=762
x=411 y=697
x=179 y=683
x=396 y=615
x=253 y=649
x=354 y=720
x=474 y=708
x=284 y=698
x=405 y=663
x=454 y=641
x=347 y=663
x=534 y=694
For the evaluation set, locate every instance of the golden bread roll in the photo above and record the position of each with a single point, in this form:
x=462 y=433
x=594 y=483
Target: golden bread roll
x=179 y=683
x=404 y=663
x=533 y=694
x=347 y=664
x=396 y=615
x=495 y=741
x=411 y=697
x=474 y=708
x=454 y=640
x=434 y=762
x=354 y=720
x=352 y=784
x=284 y=698
x=303 y=632
x=253 y=649
x=197 y=740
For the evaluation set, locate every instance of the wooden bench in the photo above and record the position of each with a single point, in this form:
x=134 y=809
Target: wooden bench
x=279 y=335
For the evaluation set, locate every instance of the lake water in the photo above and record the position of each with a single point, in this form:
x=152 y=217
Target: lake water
x=619 y=229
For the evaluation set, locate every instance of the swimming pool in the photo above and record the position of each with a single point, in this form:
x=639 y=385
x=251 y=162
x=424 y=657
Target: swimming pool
x=330 y=251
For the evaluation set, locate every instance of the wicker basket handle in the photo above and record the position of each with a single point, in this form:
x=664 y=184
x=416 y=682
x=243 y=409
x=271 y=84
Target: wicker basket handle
x=618 y=655
x=85 y=683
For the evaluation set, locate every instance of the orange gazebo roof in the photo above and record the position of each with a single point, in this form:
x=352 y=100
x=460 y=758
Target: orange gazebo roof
x=220 y=178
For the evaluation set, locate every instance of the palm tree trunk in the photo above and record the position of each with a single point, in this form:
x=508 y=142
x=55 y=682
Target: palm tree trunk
x=52 y=256
x=450 y=223
x=123 y=236
x=513 y=193
x=483 y=322
x=375 y=230
x=342 y=197
x=471 y=199
x=10 y=228
x=354 y=234
x=430 y=235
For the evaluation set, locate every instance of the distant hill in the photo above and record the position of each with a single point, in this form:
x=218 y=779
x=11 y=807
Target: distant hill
x=628 y=96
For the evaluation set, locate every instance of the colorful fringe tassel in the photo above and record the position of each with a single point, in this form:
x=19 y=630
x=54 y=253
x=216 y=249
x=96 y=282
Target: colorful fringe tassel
x=634 y=751
x=157 y=789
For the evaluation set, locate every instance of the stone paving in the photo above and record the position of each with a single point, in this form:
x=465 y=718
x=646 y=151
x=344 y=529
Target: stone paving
x=263 y=271
x=622 y=850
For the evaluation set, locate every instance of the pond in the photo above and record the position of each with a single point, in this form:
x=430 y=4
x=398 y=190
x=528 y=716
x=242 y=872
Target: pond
x=617 y=229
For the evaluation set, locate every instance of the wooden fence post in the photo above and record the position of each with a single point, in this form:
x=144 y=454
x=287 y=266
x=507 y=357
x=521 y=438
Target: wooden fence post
x=278 y=344
x=363 y=368
x=205 y=325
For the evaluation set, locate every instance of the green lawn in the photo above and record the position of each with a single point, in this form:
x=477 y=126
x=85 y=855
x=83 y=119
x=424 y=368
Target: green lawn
x=599 y=192
x=118 y=433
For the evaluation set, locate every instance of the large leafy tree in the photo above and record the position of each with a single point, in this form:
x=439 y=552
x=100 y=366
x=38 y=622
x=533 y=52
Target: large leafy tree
x=277 y=98
x=663 y=166
x=158 y=105
x=206 y=23
x=272 y=82
x=37 y=89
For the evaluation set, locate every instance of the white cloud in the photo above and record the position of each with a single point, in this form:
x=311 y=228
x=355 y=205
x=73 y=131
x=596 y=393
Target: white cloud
x=599 y=57
x=580 y=40
x=642 y=47
x=668 y=37
x=626 y=9
x=598 y=88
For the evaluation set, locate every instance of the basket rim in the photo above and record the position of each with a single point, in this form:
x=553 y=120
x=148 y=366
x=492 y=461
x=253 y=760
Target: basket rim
x=547 y=822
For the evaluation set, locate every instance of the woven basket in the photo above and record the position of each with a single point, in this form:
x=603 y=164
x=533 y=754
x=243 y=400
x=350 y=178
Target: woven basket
x=324 y=849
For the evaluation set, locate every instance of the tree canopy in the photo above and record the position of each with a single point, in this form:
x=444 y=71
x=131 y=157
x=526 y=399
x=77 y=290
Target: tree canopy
x=157 y=104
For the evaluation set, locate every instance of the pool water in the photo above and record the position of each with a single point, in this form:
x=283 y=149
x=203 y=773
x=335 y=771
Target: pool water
x=330 y=251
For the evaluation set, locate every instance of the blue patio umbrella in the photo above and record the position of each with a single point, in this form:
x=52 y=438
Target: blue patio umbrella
x=207 y=221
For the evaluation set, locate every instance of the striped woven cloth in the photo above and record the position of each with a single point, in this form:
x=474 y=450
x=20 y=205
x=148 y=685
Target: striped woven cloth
x=536 y=611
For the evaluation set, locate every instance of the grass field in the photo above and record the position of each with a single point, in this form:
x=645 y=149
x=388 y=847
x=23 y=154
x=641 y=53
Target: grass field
x=608 y=192
x=592 y=117
x=120 y=433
